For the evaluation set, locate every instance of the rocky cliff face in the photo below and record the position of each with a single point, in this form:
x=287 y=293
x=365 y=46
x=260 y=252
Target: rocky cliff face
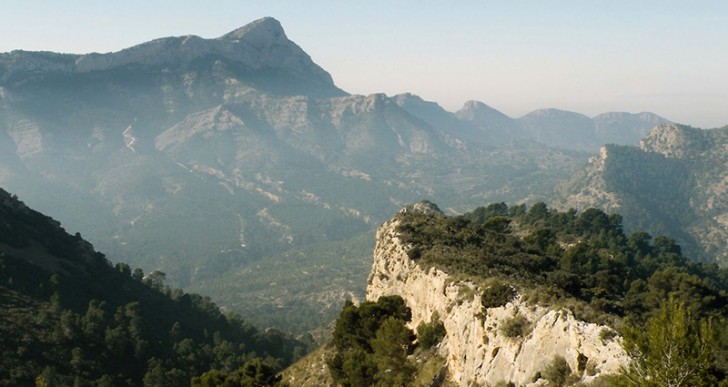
x=476 y=349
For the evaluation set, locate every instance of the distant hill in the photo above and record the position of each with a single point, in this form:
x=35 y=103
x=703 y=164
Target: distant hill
x=71 y=317
x=559 y=128
x=675 y=183
x=221 y=161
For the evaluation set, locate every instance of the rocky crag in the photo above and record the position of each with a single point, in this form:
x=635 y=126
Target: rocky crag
x=476 y=350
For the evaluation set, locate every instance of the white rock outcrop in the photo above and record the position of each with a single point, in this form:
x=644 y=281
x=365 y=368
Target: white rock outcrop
x=477 y=352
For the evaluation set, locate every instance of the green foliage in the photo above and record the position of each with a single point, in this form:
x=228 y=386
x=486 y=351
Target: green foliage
x=650 y=183
x=496 y=293
x=516 y=326
x=557 y=371
x=617 y=380
x=254 y=373
x=391 y=345
x=673 y=349
x=431 y=333
x=372 y=344
x=299 y=289
x=606 y=334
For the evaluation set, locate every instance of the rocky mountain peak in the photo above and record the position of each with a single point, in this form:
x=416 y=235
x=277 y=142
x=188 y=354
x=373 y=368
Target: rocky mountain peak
x=555 y=114
x=260 y=32
x=409 y=99
x=424 y=207
x=258 y=55
x=476 y=111
x=475 y=105
x=673 y=140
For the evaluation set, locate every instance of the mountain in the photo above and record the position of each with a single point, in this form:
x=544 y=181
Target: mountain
x=674 y=183
x=429 y=112
x=258 y=55
x=492 y=125
x=477 y=347
x=571 y=130
x=558 y=128
x=236 y=166
x=71 y=317
x=623 y=128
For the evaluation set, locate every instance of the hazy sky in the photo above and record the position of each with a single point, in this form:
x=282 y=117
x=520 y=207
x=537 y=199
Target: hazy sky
x=668 y=57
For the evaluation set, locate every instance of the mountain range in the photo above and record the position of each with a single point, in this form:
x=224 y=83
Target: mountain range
x=239 y=168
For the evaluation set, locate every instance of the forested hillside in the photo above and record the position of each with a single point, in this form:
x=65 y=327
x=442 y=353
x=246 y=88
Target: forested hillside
x=70 y=317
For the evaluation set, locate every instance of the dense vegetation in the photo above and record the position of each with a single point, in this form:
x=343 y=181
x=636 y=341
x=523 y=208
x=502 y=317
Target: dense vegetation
x=71 y=318
x=674 y=349
x=585 y=262
x=566 y=255
x=372 y=344
x=657 y=184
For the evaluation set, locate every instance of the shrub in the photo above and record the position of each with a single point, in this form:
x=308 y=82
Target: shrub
x=606 y=334
x=516 y=326
x=557 y=371
x=496 y=294
x=430 y=334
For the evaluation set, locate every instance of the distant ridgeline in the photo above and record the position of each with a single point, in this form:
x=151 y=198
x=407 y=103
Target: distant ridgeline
x=71 y=318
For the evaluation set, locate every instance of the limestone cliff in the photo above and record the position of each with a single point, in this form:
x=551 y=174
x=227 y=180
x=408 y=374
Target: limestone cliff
x=476 y=349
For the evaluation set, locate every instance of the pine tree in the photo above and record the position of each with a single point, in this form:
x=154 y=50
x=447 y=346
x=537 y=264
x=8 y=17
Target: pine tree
x=673 y=349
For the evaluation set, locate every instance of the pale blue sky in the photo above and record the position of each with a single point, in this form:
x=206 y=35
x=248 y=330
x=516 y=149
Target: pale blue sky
x=668 y=57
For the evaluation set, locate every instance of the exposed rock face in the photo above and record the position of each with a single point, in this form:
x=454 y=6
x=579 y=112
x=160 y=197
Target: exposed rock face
x=674 y=141
x=592 y=190
x=475 y=347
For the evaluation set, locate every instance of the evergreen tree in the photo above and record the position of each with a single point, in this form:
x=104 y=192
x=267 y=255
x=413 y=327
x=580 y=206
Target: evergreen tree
x=391 y=345
x=673 y=349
